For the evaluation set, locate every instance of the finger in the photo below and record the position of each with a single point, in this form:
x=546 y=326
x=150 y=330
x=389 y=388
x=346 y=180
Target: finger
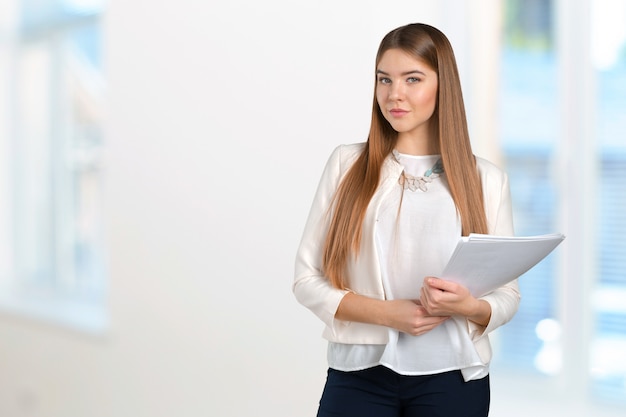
x=424 y=328
x=426 y=301
x=441 y=284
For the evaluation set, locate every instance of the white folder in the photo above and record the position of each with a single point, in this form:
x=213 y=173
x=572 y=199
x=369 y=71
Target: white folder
x=483 y=263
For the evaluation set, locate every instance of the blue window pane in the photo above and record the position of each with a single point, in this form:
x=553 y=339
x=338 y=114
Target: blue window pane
x=45 y=15
x=529 y=92
x=86 y=41
x=533 y=196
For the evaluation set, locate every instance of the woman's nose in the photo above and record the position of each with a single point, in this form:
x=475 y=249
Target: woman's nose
x=395 y=92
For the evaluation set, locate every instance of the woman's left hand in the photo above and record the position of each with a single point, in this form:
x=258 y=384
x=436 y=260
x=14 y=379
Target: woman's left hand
x=445 y=298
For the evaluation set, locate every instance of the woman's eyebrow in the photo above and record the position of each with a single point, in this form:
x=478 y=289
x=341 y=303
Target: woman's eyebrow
x=404 y=73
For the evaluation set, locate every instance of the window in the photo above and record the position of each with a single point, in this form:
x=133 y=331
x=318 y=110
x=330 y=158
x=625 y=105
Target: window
x=563 y=100
x=51 y=201
x=530 y=92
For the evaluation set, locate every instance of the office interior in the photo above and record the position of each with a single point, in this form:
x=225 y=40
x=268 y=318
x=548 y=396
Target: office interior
x=158 y=160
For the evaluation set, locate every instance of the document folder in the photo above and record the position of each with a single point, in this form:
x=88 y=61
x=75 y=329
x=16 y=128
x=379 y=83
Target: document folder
x=483 y=263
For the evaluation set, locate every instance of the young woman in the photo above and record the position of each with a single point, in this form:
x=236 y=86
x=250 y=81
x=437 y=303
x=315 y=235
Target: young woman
x=385 y=219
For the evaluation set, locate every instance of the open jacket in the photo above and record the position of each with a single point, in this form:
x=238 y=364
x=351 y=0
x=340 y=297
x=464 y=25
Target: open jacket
x=314 y=290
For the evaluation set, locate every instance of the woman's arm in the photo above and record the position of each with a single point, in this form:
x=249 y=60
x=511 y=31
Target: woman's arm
x=407 y=316
x=310 y=287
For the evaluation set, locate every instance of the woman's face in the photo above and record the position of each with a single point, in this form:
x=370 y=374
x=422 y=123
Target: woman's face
x=406 y=91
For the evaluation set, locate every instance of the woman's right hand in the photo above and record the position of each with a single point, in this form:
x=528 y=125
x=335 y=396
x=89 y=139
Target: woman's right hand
x=410 y=317
x=407 y=316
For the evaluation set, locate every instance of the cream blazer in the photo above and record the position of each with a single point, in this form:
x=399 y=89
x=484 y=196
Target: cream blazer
x=313 y=290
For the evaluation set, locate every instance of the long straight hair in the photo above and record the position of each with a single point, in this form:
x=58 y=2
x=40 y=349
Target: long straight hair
x=355 y=191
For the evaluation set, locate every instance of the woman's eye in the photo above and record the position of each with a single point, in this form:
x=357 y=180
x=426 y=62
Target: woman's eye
x=384 y=80
x=412 y=80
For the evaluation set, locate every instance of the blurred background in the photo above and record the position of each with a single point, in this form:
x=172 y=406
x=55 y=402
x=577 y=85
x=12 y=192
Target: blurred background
x=157 y=163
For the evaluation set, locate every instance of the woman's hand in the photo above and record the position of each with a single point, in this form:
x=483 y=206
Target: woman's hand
x=410 y=317
x=445 y=298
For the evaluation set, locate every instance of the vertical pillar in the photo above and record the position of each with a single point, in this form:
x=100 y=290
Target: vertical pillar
x=576 y=164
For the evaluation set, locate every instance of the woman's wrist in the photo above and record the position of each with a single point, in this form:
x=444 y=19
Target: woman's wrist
x=358 y=308
x=481 y=313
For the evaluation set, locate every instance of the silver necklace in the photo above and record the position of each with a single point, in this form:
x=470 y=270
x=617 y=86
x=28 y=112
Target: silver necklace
x=410 y=182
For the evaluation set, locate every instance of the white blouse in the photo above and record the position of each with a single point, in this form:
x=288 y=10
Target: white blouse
x=416 y=233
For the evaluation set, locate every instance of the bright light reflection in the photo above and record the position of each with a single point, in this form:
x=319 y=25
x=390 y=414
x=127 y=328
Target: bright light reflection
x=549 y=359
x=607 y=357
x=84 y=6
x=608 y=31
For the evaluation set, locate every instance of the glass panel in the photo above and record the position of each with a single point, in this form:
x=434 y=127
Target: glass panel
x=58 y=142
x=529 y=93
x=84 y=73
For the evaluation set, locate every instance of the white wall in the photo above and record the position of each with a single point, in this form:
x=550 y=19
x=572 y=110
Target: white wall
x=221 y=116
x=220 y=129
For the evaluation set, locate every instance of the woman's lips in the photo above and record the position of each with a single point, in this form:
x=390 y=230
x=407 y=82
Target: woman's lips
x=398 y=112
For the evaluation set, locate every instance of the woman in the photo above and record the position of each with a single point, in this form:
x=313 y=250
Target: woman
x=385 y=219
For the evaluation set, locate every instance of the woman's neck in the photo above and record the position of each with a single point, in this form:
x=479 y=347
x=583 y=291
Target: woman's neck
x=421 y=145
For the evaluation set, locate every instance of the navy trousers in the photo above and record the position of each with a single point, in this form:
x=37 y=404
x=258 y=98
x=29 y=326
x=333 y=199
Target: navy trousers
x=380 y=392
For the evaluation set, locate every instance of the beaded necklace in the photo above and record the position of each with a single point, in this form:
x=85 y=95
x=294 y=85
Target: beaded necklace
x=409 y=182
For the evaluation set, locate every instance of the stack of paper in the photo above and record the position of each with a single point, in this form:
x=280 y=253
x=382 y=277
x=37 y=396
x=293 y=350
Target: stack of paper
x=483 y=263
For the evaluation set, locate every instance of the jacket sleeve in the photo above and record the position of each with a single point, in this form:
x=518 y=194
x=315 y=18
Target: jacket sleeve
x=505 y=300
x=311 y=288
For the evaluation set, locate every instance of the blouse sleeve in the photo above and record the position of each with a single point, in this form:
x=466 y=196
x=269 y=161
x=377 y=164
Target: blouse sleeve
x=310 y=287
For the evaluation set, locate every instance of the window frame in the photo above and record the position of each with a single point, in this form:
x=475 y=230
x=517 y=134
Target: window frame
x=59 y=300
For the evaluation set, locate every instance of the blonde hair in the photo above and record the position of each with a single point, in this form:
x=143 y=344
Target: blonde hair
x=355 y=191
